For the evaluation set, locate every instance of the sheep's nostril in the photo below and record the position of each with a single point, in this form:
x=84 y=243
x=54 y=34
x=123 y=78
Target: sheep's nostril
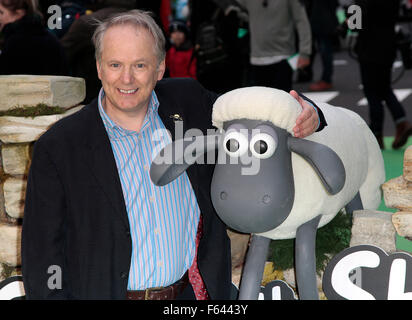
x=223 y=195
x=266 y=199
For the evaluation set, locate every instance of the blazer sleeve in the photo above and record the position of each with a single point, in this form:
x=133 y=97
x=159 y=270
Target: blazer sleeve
x=43 y=229
x=322 y=120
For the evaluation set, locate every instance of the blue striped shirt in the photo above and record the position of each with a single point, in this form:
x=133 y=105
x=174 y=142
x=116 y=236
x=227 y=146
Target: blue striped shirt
x=163 y=220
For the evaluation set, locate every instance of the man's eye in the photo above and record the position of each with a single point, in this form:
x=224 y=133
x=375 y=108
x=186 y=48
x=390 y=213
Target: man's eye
x=140 y=65
x=115 y=65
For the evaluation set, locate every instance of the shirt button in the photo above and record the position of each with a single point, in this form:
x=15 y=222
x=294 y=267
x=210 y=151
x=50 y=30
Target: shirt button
x=146 y=167
x=160 y=263
x=123 y=275
x=157 y=231
x=152 y=198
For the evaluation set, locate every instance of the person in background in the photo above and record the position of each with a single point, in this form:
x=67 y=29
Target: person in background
x=324 y=23
x=376 y=50
x=161 y=9
x=214 y=26
x=180 y=61
x=28 y=47
x=272 y=25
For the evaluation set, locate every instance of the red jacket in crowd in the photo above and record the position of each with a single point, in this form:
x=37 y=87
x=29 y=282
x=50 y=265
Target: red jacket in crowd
x=181 y=63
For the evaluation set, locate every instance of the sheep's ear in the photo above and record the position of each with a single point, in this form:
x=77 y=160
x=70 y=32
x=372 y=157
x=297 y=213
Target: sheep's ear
x=177 y=156
x=324 y=161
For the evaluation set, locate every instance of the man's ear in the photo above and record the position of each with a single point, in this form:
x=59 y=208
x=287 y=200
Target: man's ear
x=161 y=70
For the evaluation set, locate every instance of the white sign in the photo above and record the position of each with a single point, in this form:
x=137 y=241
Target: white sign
x=12 y=288
x=366 y=272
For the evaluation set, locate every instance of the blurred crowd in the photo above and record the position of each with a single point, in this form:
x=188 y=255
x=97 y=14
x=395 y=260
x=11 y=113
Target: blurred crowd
x=225 y=44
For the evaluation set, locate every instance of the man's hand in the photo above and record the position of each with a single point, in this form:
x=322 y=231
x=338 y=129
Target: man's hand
x=303 y=62
x=308 y=120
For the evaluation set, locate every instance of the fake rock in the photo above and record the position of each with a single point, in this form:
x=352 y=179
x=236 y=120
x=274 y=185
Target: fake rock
x=398 y=193
x=10 y=239
x=26 y=129
x=375 y=228
x=20 y=90
x=403 y=223
x=14 y=194
x=15 y=158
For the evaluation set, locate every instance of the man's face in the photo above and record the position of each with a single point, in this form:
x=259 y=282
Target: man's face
x=177 y=38
x=128 y=69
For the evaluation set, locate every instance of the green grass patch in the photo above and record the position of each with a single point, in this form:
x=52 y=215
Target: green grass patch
x=40 y=109
x=330 y=240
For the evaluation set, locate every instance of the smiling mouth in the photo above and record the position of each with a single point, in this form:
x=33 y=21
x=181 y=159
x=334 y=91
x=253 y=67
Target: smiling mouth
x=132 y=91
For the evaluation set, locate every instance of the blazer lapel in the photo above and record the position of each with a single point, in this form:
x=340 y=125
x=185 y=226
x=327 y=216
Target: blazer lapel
x=170 y=114
x=99 y=156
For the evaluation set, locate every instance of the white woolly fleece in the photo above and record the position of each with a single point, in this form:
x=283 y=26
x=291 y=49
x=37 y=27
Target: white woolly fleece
x=257 y=103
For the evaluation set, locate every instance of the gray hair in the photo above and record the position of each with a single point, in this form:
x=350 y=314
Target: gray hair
x=137 y=18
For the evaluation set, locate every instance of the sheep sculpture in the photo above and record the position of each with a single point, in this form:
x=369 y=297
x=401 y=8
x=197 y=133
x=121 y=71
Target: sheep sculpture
x=300 y=184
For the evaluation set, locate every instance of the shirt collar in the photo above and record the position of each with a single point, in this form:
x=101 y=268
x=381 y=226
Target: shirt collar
x=111 y=125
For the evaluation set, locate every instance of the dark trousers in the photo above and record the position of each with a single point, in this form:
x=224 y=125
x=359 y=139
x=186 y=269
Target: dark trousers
x=187 y=294
x=324 y=45
x=376 y=80
x=277 y=75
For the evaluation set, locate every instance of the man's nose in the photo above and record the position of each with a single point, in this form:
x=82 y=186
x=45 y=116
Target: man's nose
x=127 y=75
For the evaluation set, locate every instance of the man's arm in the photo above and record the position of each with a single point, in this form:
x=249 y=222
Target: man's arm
x=303 y=28
x=310 y=120
x=43 y=229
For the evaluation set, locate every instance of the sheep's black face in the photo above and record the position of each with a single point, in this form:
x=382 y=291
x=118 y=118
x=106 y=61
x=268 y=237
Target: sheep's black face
x=252 y=186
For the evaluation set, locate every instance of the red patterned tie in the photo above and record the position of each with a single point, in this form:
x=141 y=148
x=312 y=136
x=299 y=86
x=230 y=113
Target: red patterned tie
x=194 y=275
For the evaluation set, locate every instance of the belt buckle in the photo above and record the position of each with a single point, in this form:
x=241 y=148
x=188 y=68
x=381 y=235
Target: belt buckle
x=148 y=290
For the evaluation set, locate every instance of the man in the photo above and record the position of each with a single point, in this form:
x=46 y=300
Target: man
x=324 y=24
x=91 y=211
x=376 y=50
x=272 y=26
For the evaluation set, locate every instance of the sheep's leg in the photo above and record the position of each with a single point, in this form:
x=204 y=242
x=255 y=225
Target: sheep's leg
x=254 y=267
x=305 y=260
x=354 y=204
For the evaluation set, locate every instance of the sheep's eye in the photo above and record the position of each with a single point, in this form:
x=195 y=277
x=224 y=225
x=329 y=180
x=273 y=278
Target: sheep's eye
x=260 y=147
x=232 y=145
x=235 y=144
x=263 y=145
